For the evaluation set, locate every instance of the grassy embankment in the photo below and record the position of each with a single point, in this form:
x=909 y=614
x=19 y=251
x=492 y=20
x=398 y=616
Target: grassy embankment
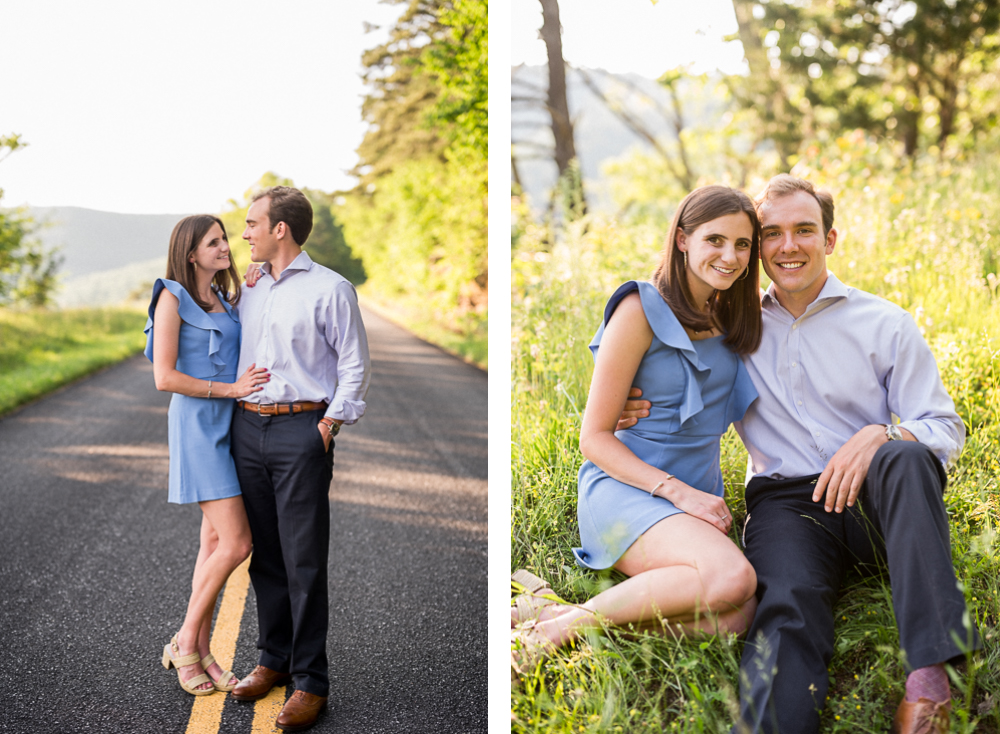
x=42 y=350
x=926 y=238
x=467 y=340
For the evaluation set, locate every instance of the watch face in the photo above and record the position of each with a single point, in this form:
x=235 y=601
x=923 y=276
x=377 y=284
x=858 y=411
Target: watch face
x=893 y=433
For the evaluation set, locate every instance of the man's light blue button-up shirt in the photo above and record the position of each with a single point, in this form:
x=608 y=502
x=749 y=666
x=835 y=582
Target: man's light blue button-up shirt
x=851 y=360
x=306 y=329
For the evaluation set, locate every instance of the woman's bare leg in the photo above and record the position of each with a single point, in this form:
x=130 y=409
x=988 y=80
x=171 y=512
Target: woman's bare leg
x=209 y=542
x=225 y=543
x=682 y=570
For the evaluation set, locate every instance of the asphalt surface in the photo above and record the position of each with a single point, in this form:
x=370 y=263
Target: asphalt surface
x=95 y=566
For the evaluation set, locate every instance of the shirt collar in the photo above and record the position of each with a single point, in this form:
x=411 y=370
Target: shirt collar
x=302 y=261
x=832 y=290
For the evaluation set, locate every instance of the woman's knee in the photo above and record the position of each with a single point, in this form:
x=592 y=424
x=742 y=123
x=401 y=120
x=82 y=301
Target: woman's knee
x=242 y=546
x=733 y=585
x=234 y=550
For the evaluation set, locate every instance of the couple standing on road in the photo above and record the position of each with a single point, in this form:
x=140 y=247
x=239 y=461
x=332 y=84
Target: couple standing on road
x=256 y=453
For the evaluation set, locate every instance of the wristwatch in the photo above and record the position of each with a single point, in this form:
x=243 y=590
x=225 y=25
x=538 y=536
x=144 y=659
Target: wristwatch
x=893 y=433
x=335 y=427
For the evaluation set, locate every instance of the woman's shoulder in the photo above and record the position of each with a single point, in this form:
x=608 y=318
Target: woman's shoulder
x=633 y=291
x=170 y=286
x=629 y=312
x=646 y=296
x=188 y=309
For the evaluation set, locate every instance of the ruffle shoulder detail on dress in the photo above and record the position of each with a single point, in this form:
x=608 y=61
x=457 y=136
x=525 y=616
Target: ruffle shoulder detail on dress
x=667 y=329
x=191 y=313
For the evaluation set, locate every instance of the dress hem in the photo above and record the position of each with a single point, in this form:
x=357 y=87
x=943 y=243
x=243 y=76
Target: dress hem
x=234 y=493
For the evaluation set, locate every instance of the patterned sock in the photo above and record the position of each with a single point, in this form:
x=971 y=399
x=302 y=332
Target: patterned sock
x=930 y=682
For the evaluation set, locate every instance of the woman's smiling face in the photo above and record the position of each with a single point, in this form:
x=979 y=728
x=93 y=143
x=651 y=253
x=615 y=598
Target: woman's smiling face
x=212 y=253
x=718 y=253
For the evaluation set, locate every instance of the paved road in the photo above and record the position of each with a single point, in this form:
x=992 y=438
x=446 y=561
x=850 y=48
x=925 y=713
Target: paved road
x=95 y=566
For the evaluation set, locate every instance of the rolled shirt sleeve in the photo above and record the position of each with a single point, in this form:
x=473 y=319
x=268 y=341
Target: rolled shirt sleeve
x=917 y=396
x=347 y=337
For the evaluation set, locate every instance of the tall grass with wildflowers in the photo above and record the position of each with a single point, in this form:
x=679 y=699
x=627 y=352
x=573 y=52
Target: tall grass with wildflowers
x=925 y=236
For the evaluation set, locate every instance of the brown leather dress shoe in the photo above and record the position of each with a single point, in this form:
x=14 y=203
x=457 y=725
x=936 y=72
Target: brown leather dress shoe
x=300 y=711
x=923 y=717
x=258 y=684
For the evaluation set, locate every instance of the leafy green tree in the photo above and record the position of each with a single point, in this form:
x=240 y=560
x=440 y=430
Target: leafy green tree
x=417 y=220
x=401 y=97
x=912 y=70
x=27 y=271
x=772 y=95
x=327 y=245
x=459 y=60
x=422 y=239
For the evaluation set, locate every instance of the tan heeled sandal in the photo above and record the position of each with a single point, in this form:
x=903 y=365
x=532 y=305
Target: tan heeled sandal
x=190 y=684
x=537 y=595
x=226 y=675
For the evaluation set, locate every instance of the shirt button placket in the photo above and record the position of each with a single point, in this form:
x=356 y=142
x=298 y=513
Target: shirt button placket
x=268 y=348
x=794 y=353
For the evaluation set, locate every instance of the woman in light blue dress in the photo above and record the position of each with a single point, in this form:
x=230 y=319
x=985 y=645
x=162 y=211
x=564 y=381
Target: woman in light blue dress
x=194 y=348
x=651 y=498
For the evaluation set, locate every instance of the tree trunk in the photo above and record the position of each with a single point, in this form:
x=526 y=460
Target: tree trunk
x=947 y=107
x=562 y=125
x=753 y=49
x=767 y=92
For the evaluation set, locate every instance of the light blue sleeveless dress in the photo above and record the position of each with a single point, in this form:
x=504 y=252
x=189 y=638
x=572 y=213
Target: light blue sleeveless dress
x=201 y=467
x=697 y=388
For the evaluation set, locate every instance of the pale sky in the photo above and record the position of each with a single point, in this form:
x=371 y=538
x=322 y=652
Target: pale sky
x=632 y=35
x=176 y=107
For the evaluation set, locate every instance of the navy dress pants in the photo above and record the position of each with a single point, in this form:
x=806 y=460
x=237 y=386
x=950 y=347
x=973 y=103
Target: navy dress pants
x=801 y=554
x=284 y=475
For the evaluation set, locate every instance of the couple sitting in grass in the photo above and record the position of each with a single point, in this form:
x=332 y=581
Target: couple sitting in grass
x=812 y=375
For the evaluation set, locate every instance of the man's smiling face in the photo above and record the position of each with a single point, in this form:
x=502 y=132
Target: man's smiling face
x=258 y=232
x=794 y=249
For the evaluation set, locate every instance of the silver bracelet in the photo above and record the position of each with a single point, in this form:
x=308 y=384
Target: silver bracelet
x=652 y=492
x=209 y=389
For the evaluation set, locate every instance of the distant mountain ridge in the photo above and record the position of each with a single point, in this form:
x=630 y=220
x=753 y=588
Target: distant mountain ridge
x=92 y=241
x=106 y=255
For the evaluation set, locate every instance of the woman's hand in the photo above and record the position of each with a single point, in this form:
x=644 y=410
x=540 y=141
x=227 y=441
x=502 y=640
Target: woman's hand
x=252 y=275
x=702 y=505
x=251 y=381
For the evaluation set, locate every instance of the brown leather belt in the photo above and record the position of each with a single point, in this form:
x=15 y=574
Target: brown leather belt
x=280 y=408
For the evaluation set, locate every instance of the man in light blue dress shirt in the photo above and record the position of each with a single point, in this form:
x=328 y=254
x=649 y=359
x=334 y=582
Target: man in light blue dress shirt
x=837 y=483
x=301 y=320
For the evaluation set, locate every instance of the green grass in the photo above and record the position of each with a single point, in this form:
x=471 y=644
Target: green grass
x=464 y=337
x=42 y=350
x=926 y=238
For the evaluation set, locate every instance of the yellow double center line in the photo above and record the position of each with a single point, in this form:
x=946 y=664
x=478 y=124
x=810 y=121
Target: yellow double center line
x=206 y=714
